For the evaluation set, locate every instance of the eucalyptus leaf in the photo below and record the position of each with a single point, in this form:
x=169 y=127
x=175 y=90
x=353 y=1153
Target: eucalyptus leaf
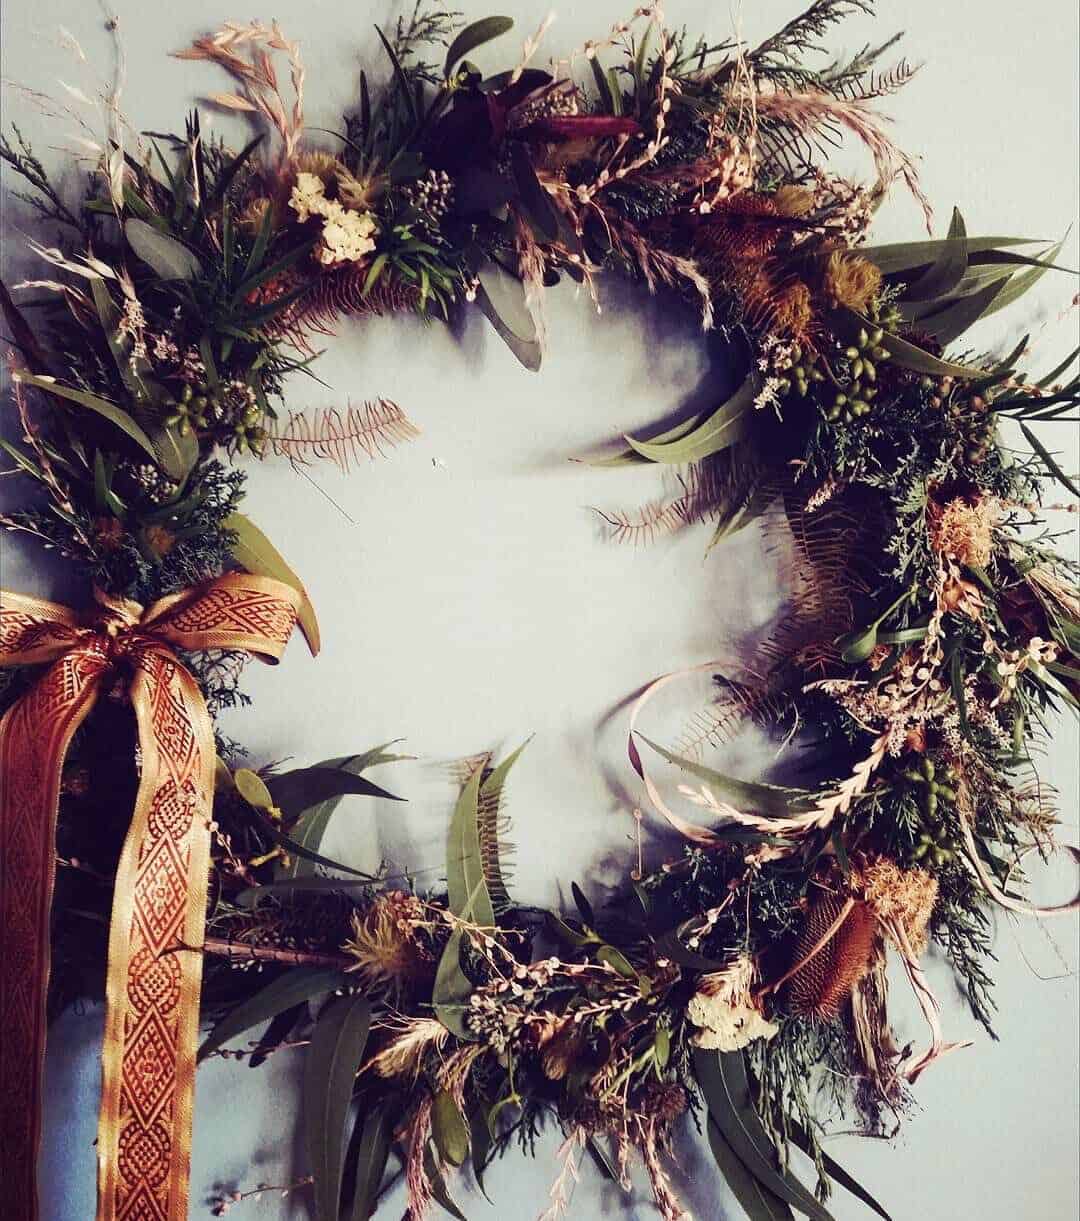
x=760 y=1203
x=909 y=356
x=452 y=989
x=501 y=298
x=771 y=799
x=473 y=36
x=251 y=786
x=951 y=322
x=314 y=883
x=288 y=990
x=630 y=457
x=724 y=1082
x=438 y=1187
x=947 y=270
x=617 y=960
x=109 y=411
x=836 y=1172
x=372 y=1153
x=1020 y=284
x=449 y=1129
x=727 y=424
x=164 y=255
x=905 y=256
x=535 y=199
x=582 y=904
x=309 y=786
x=310 y=796
x=253 y=551
x=468 y=898
x=333 y=1059
x=466 y=887
x=177 y=452
x=1049 y=459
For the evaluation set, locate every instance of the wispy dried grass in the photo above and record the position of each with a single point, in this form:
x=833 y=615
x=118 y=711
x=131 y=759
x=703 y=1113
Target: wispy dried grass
x=816 y=117
x=261 y=92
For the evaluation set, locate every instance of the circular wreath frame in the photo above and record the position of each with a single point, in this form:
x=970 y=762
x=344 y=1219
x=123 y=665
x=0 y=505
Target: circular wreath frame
x=928 y=632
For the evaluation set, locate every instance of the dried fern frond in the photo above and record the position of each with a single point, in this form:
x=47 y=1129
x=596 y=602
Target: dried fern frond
x=340 y=294
x=656 y=265
x=717 y=724
x=716 y=489
x=343 y=438
x=643 y=525
x=826 y=576
x=493 y=823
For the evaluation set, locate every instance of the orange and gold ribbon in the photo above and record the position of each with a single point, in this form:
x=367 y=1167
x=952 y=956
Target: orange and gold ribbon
x=152 y=992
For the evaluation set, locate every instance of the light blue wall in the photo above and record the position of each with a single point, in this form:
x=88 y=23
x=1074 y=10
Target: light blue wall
x=468 y=598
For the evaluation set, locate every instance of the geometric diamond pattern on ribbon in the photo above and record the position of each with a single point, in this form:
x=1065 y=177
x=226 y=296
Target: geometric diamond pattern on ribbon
x=159 y=900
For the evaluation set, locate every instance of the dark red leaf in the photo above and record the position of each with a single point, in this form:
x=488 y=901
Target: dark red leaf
x=559 y=128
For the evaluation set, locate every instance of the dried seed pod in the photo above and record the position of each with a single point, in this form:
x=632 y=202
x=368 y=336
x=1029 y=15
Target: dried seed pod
x=823 y=982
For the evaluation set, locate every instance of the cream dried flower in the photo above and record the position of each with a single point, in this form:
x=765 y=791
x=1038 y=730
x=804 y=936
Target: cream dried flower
x=347 y=236
x=308 y=196
x=726 y=1014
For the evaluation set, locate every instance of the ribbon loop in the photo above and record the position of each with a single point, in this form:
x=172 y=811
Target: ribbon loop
x=152 y=997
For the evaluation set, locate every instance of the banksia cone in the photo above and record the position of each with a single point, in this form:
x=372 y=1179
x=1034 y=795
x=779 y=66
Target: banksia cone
x=820 y=986
x=741 y=229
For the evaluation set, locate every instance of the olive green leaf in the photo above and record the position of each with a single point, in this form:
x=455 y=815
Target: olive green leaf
x=299 y=984
x=835 y=1171
x=109 y=411
x=253 y=551
x=469 y=899
x=947 y=270
x=950 y=323
x=501 y=298
x=905 y=256
x=534 y=198
x=473 y=36
x=760 y=1203
x=376 y=1130
x=721 y=428
x=164 y=255
x=772 y=799
x=1049 y=459
x=724 y=1082
x=438 y=1186
x=176 y=451
x=309 y=797
x=333 y=1059
x=449 y=1129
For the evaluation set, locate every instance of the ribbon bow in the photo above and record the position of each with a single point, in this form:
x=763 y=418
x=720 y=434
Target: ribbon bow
x=152 y=996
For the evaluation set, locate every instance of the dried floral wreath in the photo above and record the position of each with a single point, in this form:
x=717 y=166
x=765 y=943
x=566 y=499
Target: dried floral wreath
x=929 y=633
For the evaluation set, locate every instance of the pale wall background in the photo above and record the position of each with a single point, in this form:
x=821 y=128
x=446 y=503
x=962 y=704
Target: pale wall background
x=468 y=597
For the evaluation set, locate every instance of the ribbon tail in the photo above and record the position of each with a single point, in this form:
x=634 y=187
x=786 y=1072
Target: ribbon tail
x=34 y=737
x=152 y=988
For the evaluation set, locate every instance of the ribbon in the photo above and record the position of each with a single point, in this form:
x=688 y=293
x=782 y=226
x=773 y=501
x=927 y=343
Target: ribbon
x=152 y=993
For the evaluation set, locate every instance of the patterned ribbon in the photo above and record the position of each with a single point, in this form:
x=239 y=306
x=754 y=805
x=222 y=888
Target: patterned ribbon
x=152 y=991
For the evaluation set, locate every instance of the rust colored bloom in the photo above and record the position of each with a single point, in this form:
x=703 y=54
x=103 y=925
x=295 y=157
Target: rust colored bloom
x=159 y=539
x=108 y=531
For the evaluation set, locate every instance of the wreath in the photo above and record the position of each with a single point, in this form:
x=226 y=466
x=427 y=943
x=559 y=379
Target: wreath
x=929 y=633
